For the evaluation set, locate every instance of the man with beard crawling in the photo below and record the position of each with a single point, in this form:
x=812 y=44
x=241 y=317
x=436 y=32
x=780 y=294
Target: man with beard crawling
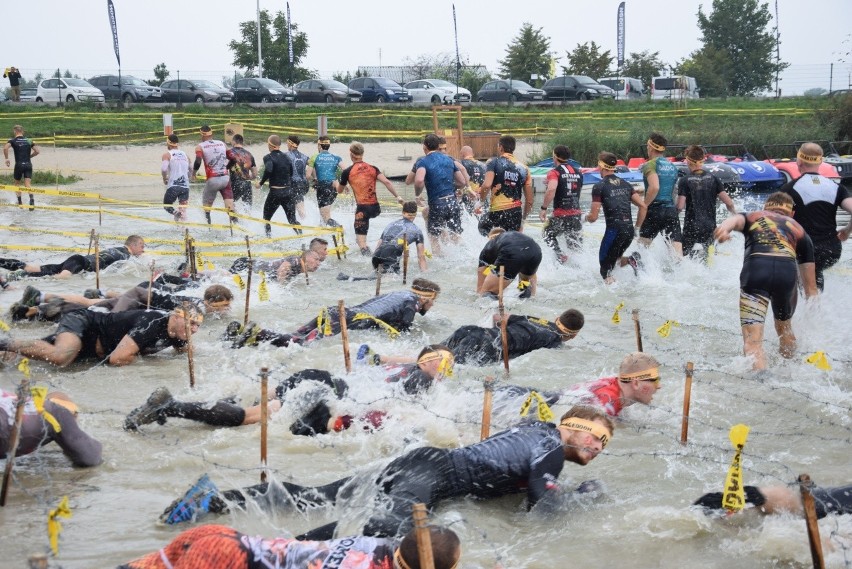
x=134 y=246
x=393 y=312
x=527 y=458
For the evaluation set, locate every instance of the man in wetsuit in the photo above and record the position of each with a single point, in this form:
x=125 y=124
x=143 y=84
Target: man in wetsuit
x=278 y=170
x=615 y=196
x=393 y=312
x=697 y=192
x=525 y=459
x=214 y=155
x=475 y=175
x=174 y=167
x=509 y=182
x=55 y=421
x=24 y=150
x=659 y=176
x=785 y=500
x=438 y=174
x=564 y=184
x=221 y=547
x=134 y=246
x=774 y=243
x=243 y=170
x=391 y=245
x=816 y=199
x=118 y=338
x=299 y=180
x=281 y=270
x=324 y=167
x=362 y=177
x=518 y=254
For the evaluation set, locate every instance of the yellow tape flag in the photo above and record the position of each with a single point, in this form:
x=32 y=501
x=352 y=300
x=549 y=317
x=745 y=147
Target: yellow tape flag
x=54 y=527
x=39 y=394
x=818 y=360
x=199 y=260
x=324 y=322
x=616 y=317
x=733 y=497
x=523 y=285
x=4 y=326
x=711 y=253
x=24 y=367
x=210 y=266
x=666 y=328
x=392 y=332
x=239 y=280
x=262 y=291
x=544 y=412
x=428 y=254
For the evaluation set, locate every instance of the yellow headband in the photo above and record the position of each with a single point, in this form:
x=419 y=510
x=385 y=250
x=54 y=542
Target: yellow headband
x=585 y=426
x=784 y=209
x=565 y=330
x=427 y=294
x=218 y=303
x=650 y=373
x=195 y=318
x=655 y=146
x=809 y=159
x=447 y=361
x=604 y=166
x=171 y=144
x=695 y=162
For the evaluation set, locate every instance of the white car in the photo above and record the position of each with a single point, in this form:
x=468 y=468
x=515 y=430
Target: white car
x=67 y=89
x=436 y=91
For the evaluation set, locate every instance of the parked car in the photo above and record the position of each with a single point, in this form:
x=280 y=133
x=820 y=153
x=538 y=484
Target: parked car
x=197 y=90
x=325 y=91
x=680 y=87
x=28 y=94
x=505 y=90
x=4 y=98
x=624 y=87
x=783 y=157
x=132 y=89
x=436 y=91
x=579 y=87
x=67 y=89
x=260 y=90
x=379 y=90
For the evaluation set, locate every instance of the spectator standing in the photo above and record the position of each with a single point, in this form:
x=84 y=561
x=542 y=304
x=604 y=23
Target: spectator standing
x=13 y=74
x=23 y=149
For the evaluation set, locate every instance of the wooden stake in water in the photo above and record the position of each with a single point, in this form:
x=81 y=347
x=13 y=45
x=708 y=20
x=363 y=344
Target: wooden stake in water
x=304 y=267
x=97 y=264
x=344 y=333
x=186 y=247
x=336 y=248
x=503 y=320
x=264 y=418
x=248 y=282
x=150 y=286
x=487 y=399
x=424 y=537
x=91 y=242
x=638 y=329
x=805 y=486
x=379 y=270
x=404 y=259
x=14 y=437
x=687 y=394
x=187 y=321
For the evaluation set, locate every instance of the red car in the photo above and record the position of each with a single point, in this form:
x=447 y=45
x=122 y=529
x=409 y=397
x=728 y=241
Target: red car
x=783 y=157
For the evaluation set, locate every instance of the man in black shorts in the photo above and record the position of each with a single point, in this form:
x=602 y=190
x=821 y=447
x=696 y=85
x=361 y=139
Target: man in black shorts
x=278 y=170
x=774 y=244
x=24 y=150
x=518 y=254
x=118 y=338
x=475 y=177
x=564 y=184
x=509 y=183
x=299 y=181
x=660 y=176
x=134 y=246
x=242 y=169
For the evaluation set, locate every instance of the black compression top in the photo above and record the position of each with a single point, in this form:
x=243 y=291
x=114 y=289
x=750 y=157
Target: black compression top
x=277 y=170
x=701 y=190
x=614 y=195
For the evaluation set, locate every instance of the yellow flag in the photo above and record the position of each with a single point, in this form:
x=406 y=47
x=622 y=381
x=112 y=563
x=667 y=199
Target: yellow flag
x=818 y=360
x=39 y=394
x=711 y=252
x=210 y=266
x=324 y=322
x=199 y=260
x=4 y=326
x=24 y=367
x=54 y=527
x=522 y=285
x=262 y=291
x=544 y=412
x=733 y=497
x=428 y=254
x=239 y=280
x=666 y=328
x=616 y=317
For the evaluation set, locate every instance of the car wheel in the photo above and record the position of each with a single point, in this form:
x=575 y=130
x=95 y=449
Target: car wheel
x=329 y=99
x=436 y=100
x=582 y=96
x=380 y=99
x=199 y=99
x=264 y=99
x=513 y=97
x=480 y=100
x=69 y=99
x=39 y=100
x=128 y=98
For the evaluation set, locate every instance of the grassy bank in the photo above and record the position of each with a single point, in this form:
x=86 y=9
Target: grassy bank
x=621 y=127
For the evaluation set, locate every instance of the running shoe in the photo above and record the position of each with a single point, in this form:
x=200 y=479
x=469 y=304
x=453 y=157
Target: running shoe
x=332 y=223
x=526 y=292
x=52 y=308
x=200 y=499
x=152 y=410
x=32 y=203
x=248 y=337
x=366 y=356
x=93 y=293
x=365 y=251
x=18 y=311
x=635 y=261
x=32 y=296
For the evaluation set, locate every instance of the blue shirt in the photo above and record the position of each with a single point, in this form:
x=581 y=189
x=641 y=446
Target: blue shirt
x=667 y=174
x=440 y=170
x=326 y=165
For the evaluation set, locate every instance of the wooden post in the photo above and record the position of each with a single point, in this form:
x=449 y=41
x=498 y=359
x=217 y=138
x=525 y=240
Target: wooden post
x=304 y=267
x=487 y=398
x=97 y=263
x=424 y=538
x=91 y=241
x=264 y=418
x=638 y=329
x=404 y=259
x=14 y=437
x=336 y=248
x=186 y=247
x=687 y=394
x=344 y=333
x=343 y=243
x=150 y=286
x=248 y=282
x=193 y=265
x=189 y=356
x=379 y=271
x=805 y=485
x=503 y=323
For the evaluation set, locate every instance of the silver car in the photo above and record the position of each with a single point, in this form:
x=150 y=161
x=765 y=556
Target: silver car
x=436 y=91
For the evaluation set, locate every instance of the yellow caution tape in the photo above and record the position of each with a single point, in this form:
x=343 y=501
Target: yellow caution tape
x=523 y=285
x=24 y=366
x=392 y=332
x=616 y=317
x=711 y=253
x=666 y=328
x=239 y=280
x=818 y=360
x=54 y=527
x=46 y=192
x=544 y=412
x=39 y=394
x=733 y=497
x=199 y=260
x=262 y=291
x=4 y=326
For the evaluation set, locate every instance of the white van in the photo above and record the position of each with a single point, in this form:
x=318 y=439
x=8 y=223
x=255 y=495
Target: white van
x=678 y=87
x=624 y=87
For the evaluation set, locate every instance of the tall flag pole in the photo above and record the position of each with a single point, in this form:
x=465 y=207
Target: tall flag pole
x=111 y=12
x=290 y=42
x=259 y=49
x=620 y=35
x=458 y=59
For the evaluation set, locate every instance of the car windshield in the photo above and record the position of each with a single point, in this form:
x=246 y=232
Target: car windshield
x=76 y=83
x=334 y=85
x=270 y=83
x=206 y=85
x=521 y=85
x=585 y=80
x=617 y=84
x=442 y=83
x=133 y=81
x=387 y=83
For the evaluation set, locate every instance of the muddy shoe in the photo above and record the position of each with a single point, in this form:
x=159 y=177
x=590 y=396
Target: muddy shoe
x=32 y=296
x=153 y=410
x=562 y=258
x=93 y=293
x=248 y=337
x=365 y=251
x=18 y=311
x=202 y=498
x=51 y=309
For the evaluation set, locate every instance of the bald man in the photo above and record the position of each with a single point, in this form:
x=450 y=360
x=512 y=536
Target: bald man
x=476 y=175
x=815 y=202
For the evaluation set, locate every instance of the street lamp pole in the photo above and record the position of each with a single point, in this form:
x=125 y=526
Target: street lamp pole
x=259 y=56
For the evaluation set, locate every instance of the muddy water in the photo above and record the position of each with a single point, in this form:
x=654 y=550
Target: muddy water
x=799 y=416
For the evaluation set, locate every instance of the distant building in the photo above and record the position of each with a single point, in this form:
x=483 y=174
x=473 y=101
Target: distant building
x=402 y=74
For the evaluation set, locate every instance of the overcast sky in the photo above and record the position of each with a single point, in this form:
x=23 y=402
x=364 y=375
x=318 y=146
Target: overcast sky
x=192 y=35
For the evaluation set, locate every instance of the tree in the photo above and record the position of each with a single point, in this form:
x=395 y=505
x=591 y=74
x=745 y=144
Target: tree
x=229 y=80
x=161 y=73
x=643 y=66
x=472 y=79
x=588 y=59
x=275 y=49
x=712 y=69
x=427 y=66
x=344 y=78
x=528 y=53
x=738 y=30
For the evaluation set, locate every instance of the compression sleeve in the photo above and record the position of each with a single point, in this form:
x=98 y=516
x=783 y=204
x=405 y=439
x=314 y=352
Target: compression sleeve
x=79 y=447
x=268 y=168
x=197 y=164
x=805 y=250
x=544 y=475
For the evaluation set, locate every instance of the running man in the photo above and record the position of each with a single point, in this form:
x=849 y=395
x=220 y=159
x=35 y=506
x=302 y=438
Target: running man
x=324 y=167
x=134 y=246
x=362 y=177
x=438 y=174
x=299 y=180
x=615 y=196
x=564 y=184
x=24 y=150
x=659 y=176
x=509 y=183
x=174 y=167
x=475 y=175
x=518 y=254
x=214 y=155
x=774 y=243
x=243 y=170
x=391 y=245
x=278 y=170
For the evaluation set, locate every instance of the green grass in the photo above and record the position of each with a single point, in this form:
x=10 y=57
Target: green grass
x=42 y=178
